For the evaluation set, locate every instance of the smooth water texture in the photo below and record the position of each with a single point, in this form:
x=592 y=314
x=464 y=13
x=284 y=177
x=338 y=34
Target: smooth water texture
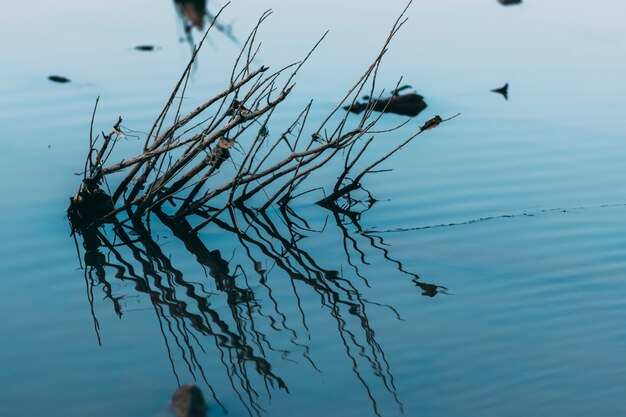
x=488 y=279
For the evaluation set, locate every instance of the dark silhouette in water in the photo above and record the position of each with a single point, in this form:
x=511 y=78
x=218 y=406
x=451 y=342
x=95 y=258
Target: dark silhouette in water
x=504 y=90
x=410 y=104
x=509 y=2
x=145 y=48
x=59 y=79
x=430 y=290
x=188 y=401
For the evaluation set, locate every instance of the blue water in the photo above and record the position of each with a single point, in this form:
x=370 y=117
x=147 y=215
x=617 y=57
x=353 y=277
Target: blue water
x=515 y=207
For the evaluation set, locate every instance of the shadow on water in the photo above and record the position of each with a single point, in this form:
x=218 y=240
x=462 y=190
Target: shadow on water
x=243 y=327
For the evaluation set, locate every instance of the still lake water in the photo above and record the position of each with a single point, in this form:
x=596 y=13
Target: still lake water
x=516 y=207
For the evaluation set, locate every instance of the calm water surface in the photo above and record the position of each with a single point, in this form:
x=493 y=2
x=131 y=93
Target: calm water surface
x=512 y=215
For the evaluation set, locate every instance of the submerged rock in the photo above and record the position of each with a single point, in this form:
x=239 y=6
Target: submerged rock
x=188 y=401
x=509 y=2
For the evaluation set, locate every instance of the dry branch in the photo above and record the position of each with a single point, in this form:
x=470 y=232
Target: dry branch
x=191 y=165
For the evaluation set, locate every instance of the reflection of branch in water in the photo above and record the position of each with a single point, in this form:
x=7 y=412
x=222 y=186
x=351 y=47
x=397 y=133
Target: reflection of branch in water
x=346 y=215
x=429 y=290
x=347 y=211
x=334 y=292
x=340 y=214
x=186 y=318
x=160 y=281
x=162 y=297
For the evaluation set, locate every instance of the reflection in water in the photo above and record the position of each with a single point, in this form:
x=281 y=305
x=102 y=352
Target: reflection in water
x=410 y=104
x=244 y=328
x=504 y=90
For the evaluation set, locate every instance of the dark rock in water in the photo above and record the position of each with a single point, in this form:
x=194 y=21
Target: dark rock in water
x=58 y=79
x=188 y=401
x=509 y=2
x=405 y=105
x=145 y=48
x=504 y=90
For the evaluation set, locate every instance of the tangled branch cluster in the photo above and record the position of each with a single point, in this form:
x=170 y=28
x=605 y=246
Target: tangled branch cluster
x=180 y=169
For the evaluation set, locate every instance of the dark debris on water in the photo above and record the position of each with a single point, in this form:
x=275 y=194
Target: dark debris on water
x=58 y=79
x=504 y=90
x=146 y=48
x=410 y=104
